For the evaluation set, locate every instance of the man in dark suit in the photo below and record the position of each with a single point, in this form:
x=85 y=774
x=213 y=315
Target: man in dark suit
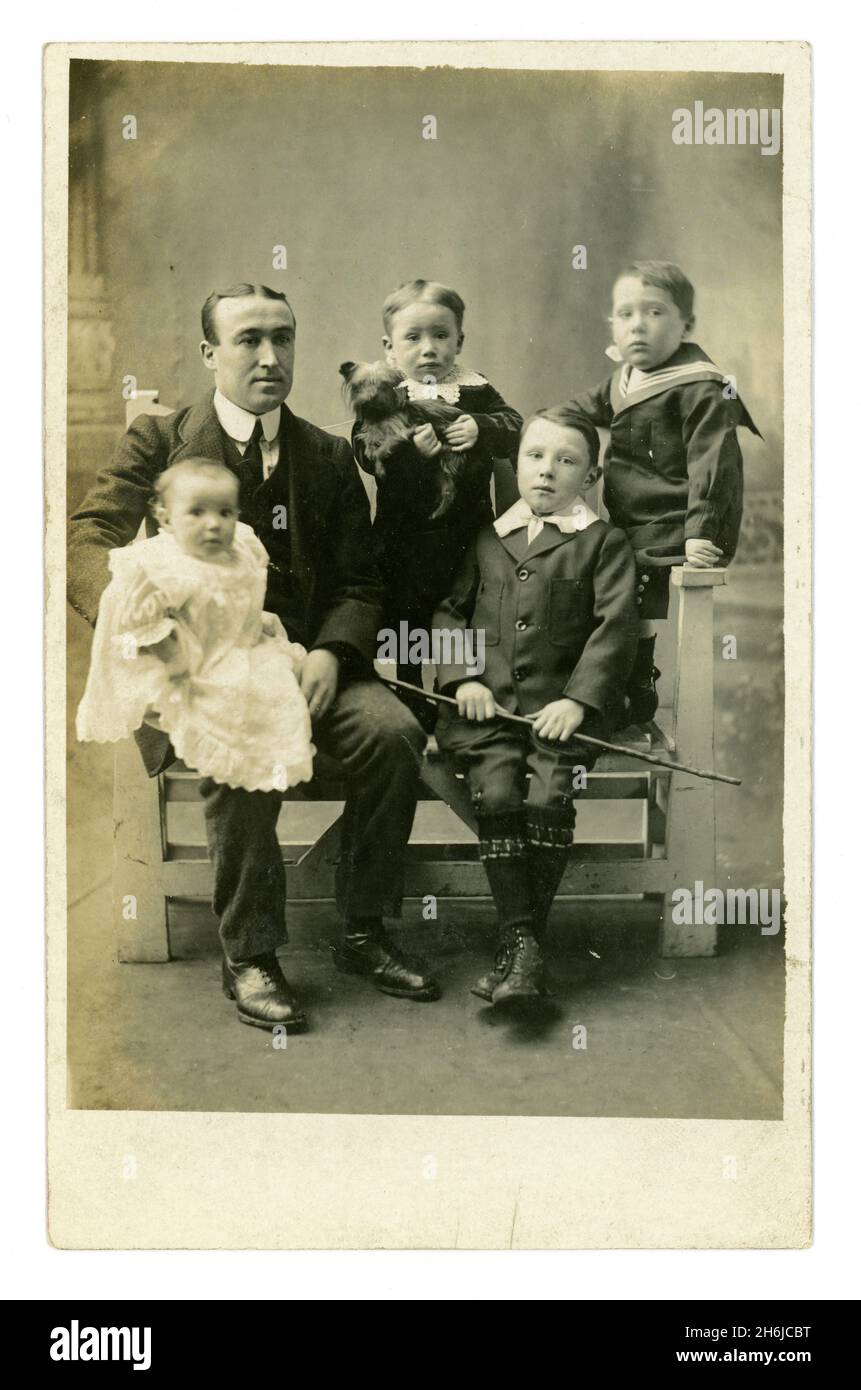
x=301 y=492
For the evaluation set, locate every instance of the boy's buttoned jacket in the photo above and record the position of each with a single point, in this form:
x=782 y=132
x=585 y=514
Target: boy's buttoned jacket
x=558 y=616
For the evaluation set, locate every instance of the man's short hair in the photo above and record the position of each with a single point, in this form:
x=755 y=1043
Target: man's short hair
x=570 y=418
x=207 y=313
x=664 y=275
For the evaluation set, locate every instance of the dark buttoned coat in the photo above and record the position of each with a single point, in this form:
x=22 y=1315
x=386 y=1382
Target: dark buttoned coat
x=558 y=616
x=673 y=467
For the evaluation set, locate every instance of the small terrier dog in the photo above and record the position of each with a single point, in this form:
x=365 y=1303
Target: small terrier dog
x=388 y=419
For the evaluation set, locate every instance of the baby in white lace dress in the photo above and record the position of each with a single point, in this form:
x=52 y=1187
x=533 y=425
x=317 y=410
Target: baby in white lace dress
x=182 y=642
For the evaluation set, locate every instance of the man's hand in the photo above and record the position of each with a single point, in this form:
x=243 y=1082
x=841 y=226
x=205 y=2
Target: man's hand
x=318 y=681
x=426 y=441
x=703 y=555
x=475 y=701
x=560 y=719
x=462 y=434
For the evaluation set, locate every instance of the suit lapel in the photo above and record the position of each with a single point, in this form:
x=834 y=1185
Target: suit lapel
x=548 y=538
x=306 y=485
x=515 y=543
x=201 y=435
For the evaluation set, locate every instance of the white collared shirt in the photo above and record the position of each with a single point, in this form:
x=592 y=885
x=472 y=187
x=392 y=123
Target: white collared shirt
x=239 y=425
x=574 y=518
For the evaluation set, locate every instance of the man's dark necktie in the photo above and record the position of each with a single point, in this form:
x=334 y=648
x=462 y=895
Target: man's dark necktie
x=252 y=459
x=251 y=470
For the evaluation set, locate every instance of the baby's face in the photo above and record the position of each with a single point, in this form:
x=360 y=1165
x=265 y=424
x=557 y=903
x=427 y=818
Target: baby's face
x=647 y=324
x=553 y=467
x=424 y=341
x=201 y=512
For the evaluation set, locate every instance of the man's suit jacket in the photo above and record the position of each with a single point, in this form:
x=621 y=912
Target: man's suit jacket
x=558 y=616
x=315 y=480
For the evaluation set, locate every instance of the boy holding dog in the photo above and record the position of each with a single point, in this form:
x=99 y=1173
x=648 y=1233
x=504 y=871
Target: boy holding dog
x=419 y=543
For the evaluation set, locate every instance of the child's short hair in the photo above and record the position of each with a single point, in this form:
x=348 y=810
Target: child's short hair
x=570 y=418
x=664 y=275
x=190 y=465
x=430 y=290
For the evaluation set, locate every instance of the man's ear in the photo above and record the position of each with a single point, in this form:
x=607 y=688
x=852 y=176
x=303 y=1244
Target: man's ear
x=207 y=353
x=346 y=370
x=386 y=342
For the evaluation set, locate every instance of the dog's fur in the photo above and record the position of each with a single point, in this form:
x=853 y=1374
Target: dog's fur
x=388 y=419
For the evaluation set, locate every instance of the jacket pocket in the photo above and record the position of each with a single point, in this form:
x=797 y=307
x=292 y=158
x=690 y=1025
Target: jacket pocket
x=488 y=611
x=568 y=611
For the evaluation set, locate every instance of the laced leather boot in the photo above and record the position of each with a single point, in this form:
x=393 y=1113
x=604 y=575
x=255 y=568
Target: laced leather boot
x=546 y=866
x=262 y=995
x=367 y=950
x=486 y=984
x=524 y=973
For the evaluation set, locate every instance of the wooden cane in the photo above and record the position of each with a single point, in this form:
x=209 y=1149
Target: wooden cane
x=655 y=759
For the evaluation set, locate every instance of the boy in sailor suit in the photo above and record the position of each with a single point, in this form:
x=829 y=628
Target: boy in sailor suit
x=552 y=588
x=673 y=467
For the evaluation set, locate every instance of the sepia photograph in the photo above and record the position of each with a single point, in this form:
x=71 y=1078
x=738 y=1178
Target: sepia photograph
x=425 y=467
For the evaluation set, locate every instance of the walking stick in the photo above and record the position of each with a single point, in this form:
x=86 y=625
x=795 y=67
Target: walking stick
x=504 y=714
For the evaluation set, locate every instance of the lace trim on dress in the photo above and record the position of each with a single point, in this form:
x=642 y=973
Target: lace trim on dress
x=447 y=389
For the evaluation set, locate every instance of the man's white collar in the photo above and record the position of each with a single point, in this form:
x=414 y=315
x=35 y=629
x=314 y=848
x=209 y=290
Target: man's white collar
x=239 y=423
x=574 y=518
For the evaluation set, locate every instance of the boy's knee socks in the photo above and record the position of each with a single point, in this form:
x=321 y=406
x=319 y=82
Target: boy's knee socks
x=502 y=847
x=549 y=837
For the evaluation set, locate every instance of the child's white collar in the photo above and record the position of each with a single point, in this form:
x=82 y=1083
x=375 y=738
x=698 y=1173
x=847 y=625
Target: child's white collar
x=575 y=517
x=446 y=389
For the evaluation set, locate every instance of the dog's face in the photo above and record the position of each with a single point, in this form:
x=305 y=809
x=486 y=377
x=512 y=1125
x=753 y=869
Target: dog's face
x=371 y=387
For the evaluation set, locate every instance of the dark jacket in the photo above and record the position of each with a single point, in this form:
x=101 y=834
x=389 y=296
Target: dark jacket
x=673 y=467
x=558 y=616
x=418 y=557
x=331 y=597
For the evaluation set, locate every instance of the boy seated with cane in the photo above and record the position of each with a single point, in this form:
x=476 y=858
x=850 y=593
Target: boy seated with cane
x=552 y=587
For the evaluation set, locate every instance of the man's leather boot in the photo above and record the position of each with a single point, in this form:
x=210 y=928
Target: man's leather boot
x=262 y=994
x=367 y=950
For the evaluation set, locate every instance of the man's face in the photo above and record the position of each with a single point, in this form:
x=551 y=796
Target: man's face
x=553 y=467
x=647 y=324
x=201 y=510
x=253 y=358
x=424 y=340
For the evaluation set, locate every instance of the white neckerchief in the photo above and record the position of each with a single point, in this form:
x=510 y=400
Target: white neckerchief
x=446 y=389
x=575 y=518
x=239 y=425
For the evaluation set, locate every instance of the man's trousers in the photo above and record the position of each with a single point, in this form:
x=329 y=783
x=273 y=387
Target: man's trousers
x=379 y=746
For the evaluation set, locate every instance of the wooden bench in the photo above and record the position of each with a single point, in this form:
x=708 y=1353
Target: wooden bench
x=641 y=831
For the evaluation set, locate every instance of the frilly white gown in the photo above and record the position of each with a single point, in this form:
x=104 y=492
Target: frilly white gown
x=237 y=714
